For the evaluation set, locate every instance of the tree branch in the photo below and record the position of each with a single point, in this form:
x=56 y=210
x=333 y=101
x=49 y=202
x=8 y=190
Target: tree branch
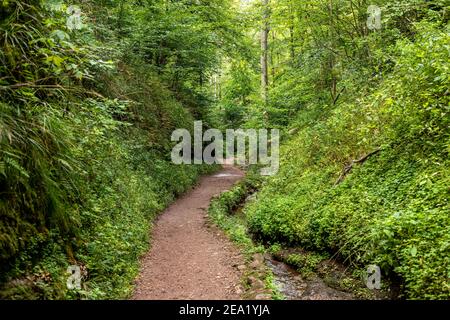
x=349 y=167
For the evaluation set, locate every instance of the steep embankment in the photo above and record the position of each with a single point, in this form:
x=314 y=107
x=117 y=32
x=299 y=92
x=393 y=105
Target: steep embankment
x=368 y=180
x=84 y=156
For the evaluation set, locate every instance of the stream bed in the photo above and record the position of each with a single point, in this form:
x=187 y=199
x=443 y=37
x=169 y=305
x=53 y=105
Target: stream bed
x=293 y=286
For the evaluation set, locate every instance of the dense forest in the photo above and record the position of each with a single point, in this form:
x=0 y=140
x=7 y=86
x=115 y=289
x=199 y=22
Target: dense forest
x=91 y=91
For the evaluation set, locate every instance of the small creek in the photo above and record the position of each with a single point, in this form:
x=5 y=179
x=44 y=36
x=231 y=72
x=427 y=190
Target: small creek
x=293 y=286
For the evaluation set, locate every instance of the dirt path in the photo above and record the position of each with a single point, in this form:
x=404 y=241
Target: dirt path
x=188 y=259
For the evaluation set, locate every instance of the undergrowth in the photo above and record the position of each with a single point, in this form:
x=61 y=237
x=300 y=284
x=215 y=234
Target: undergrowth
x=84 y=156
x=224 y=211
x=392 y=209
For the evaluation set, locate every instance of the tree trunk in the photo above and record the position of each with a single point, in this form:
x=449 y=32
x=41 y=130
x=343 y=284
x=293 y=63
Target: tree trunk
x=291 y=32
x=264 y=50
x=332 y=58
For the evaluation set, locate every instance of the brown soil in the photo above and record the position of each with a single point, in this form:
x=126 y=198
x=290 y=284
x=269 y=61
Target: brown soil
x=189 y=259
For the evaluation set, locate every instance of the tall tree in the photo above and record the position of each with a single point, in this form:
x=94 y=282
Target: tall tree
x=264 y=50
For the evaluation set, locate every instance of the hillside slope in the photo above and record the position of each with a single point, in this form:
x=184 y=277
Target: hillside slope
x=368 y=178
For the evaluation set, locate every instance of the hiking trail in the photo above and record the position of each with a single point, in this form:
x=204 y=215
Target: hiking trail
x=189 y=258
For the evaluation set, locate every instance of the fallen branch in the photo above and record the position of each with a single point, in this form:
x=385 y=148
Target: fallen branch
x=338 y=96
x=349 y=167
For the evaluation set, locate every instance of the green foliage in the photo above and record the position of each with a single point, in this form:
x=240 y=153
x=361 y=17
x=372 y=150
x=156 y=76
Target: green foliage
x=84 y=151
x=340 y=92
x=306 y=263
x=391 y=209
x=224 y=212
x=86 y=117
x=37 y=165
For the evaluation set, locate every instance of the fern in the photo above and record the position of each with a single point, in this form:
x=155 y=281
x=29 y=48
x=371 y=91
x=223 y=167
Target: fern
x=14 y=164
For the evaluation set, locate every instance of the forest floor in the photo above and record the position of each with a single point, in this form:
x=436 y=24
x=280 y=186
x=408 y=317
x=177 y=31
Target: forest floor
x=190 y=258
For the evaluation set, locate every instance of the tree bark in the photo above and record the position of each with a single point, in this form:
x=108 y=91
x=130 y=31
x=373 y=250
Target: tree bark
x=264 y=51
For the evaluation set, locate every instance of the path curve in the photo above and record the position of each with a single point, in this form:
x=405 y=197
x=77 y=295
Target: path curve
x=189 y=259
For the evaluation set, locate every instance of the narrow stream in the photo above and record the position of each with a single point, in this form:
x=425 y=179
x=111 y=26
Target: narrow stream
x=293 y=286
